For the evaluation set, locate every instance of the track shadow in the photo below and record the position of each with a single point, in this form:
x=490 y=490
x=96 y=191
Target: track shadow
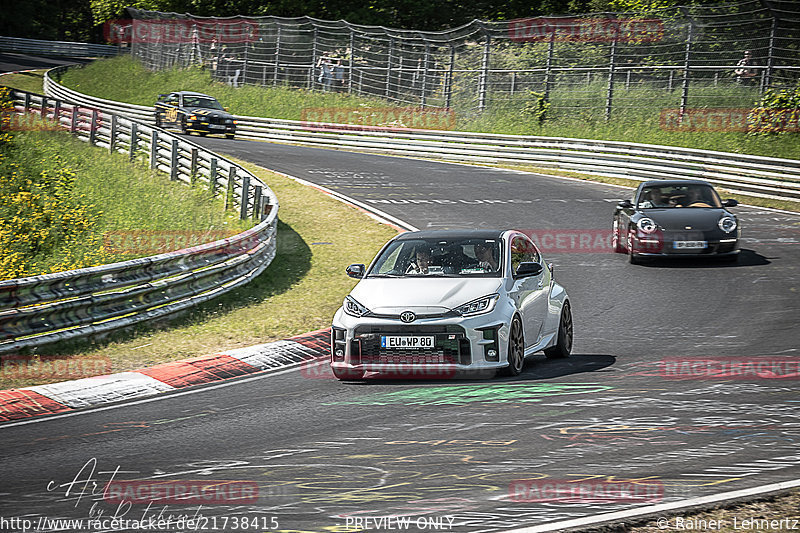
x=746 y=258
x=536 y=368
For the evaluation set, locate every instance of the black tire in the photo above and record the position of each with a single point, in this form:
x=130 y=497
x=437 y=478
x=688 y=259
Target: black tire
x=183 y=126
x=202 y=133
x=347 y=374
x=230 y=135
x=516 y=350
x=616 y=238
x=158 y=120
x=563 y=345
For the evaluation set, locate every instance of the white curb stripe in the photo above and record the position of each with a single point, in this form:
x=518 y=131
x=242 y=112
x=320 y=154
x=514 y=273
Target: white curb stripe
x=86 y=392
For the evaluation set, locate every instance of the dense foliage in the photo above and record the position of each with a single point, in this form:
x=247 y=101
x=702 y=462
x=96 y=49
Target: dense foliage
x=82 y=20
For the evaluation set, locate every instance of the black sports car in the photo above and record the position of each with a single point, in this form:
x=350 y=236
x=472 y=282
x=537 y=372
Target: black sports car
x=194 y=112
x=676 y=218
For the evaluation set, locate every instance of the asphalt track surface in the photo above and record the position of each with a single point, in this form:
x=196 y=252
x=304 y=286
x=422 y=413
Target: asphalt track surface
x=10 y=62
x=448 y=453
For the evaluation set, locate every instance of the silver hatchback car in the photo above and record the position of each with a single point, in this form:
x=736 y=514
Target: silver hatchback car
x=436 y=303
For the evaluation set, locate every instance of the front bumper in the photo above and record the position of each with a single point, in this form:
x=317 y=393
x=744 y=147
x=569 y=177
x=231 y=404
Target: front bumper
x=461 y=345
x=664 y=244
x=206 y=127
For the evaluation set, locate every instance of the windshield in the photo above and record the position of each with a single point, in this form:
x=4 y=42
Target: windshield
x=678 y=196
x=439 y=257
x=200 y=101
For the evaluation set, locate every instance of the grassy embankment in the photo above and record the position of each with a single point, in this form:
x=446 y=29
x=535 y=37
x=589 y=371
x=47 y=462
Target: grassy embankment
x=66 y=205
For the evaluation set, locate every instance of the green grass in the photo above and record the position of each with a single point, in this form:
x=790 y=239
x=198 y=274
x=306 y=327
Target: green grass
x=25 y=81
x=111 y=79
x=123 y=196
x=298 y=292
x=636 y=117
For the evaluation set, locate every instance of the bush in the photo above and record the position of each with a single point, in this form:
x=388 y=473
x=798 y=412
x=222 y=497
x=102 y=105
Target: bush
x=777 y=112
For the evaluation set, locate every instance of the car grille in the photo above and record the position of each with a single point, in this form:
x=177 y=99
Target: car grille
x=451 y=345
x=216 y=120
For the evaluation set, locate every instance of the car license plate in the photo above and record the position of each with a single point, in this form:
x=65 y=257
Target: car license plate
x=689 y=245
x=406 y=342
x=217 y=126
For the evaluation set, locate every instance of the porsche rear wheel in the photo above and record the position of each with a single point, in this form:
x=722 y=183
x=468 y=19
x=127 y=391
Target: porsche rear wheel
x=516 y=350
x=184 y=128
x=346 y=374
x=563 y=345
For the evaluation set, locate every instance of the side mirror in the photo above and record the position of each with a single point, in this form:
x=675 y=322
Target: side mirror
x=730 y=203
x=162 y=96
x=529 y=269
x=625 y=204
x=355 y=271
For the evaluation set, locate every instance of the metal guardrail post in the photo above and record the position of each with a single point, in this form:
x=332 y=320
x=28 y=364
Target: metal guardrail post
x=244 y=197
x=277 y=56
x=686 y=63
x=73 y=125
x=193 y=166
x=448 y=86
x=387 y=91
x=548 y=67
x=483 y=85
x=265 y=207
x=229 y=188
x=257 y=202
x=773 y=30
x=27 y=102
x=352 y=63
x=154 y=149
x=173 y=161
x=425 y=73
x=134 y=140
x=610 y=91
x=313 y=59
x=212 y=177
x=57 y=112
x=93 y=127
x=112 y=137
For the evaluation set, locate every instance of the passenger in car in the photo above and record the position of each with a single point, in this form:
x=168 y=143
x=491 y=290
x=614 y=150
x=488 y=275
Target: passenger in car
x=485 y=254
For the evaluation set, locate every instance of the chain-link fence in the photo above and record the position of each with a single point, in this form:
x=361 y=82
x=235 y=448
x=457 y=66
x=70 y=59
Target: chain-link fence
x=590 y=66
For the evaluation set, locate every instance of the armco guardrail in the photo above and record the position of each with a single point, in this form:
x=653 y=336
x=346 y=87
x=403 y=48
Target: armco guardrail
x=57 y=48
x=746 y=174
x=41 y=309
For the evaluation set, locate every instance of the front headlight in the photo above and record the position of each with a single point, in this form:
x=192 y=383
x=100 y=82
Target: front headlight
x=479 y=306
x=727 y=224
x=353 y=308
x=192 y=117
x=647 y=225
